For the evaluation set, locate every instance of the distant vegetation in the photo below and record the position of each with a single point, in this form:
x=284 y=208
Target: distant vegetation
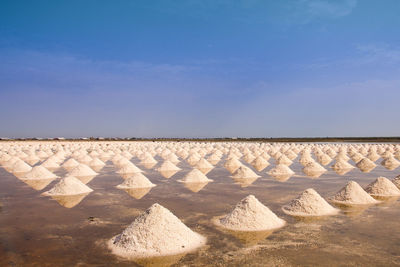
x=226 y=139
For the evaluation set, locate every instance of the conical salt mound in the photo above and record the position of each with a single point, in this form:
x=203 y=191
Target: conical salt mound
x=260 y=163
x=20 y=167
x=204 y=166
x=70 y=164
x=96 y=162
x=390 y=163
x=244 y=172
x=313 y=169
x=39 y=172
x=280 y=170
x=137 y=180
x=195 y=176
x=156 y=232
x=382 y=187
x=168 y=169
x=353 y=194
x=341 y=164
x=396 y=181
x=129 y=168
x=68 y=186
x=82 y=170
x=232 y=164
x=51 y=164
x=309 y=203
x=366 y=165
x=251 y=215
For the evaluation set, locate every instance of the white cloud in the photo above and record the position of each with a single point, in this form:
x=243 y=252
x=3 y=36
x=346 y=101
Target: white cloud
x=329 y=8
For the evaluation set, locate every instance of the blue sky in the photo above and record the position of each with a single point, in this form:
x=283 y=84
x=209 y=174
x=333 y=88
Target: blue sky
x=199 y=68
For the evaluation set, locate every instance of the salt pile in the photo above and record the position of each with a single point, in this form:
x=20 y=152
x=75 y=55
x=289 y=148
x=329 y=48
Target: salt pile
x=281 y=172
x=129 y=168
x=382 y=187
x=168 y=169
x=366 y=165
x=353 y=194
x=260 y=163
x=284 y=160
x=309 y=203
x=39 y=172
x=390 y=163
x=232 y=164
x=204 y=166
x=82 y=170
x=244 y=172
x=96 y=162
x=137 y=180
x=324 y=159
x=396 y=181
x=20 y=167
x=314 y=169
x=195 y=176
x=70 y=164
x=251 y=215
x=68 y=186
x=51 y=164
x=156 y=232
x=341 y=166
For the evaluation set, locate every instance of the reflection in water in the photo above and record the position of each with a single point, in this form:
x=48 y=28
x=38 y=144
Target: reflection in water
x=19 y=174
x=352 y=210
x=250 y=238
x=137 y=193
x=149 y=165
x=244 y=182
x=38 y=184
x=85 y=179
x=195 y=187
x=281 y=177
x=342 y=171
x=169 y=173
x=159 y=261
x=313 y=173
x=69 y=201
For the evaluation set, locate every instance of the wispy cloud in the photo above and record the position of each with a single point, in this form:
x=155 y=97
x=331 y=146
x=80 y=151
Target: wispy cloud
x=329 y=8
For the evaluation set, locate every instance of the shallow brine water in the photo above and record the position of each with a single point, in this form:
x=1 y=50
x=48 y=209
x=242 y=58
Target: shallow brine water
x=38 y=231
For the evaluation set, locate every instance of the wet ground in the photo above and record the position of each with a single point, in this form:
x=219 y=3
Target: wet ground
x=37 y=231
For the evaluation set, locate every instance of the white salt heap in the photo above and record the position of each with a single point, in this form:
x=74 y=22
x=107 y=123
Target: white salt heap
x=342 y=164
x=20 y=166
x=232 y=164
x=313 y=169
x=244 y=172
x=39 y=172
x=137 y=180
x=82 y=170
x=251 y=215
x=366 y=165
x=168 y=169
x=156 y=232
x=70 y=164
x=260 y=163
x=390 y=162
x=353 y=194
x=309 y=203
x=396 y=181
x=204 y=166
x=68 y=186
x=382 y=187
x=195 y=176
x=129 y=168
x=51 y=163
x=280 y=169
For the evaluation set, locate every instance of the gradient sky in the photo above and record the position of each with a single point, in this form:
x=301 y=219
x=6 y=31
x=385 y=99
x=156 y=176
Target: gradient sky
x=199 y=68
